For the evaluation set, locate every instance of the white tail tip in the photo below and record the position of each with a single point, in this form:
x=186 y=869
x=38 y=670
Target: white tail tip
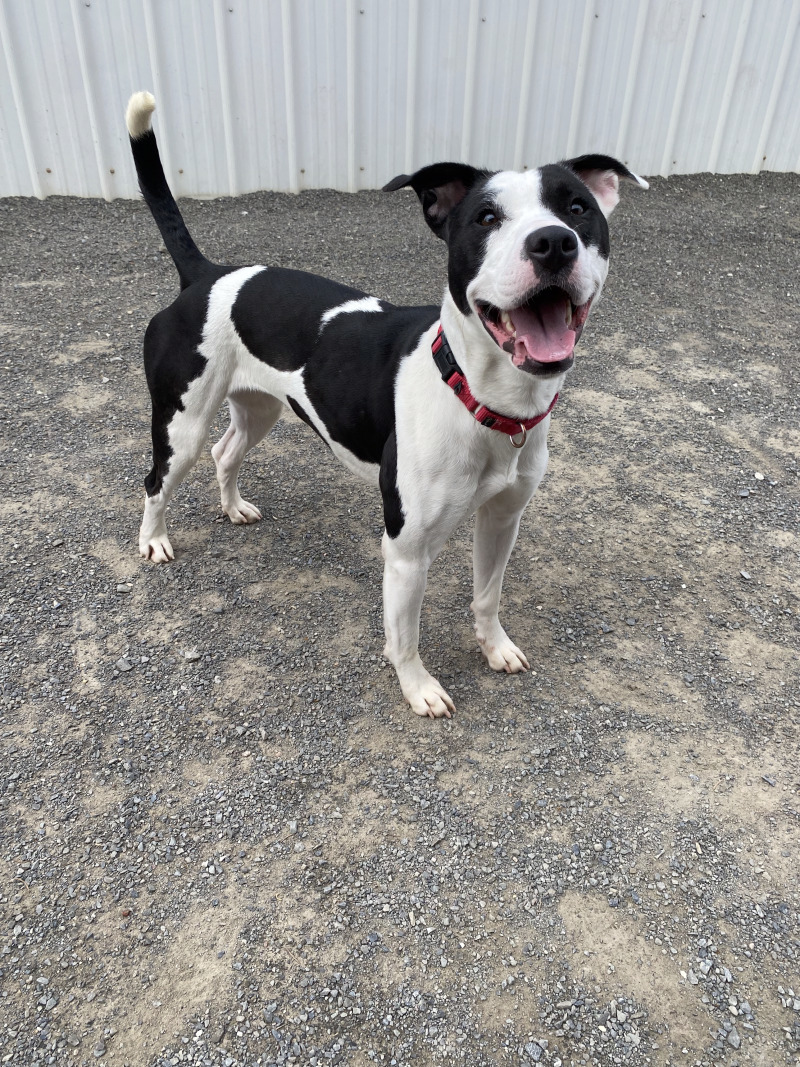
x=137 y=117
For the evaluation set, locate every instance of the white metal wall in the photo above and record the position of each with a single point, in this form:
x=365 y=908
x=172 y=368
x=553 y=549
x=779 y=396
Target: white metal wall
x=293 y=94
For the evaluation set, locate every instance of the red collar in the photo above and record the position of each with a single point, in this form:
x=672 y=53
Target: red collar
x=453 y=376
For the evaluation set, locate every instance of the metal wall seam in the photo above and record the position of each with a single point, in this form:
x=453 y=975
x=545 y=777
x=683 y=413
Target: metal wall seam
x=350 y=66
x=630 y=81
x=780 y=73
x=580 y=76
x=220 y=10
x=683 y=76
x=525 y=84
x=19 y=103
x=164 y=140
x=411 y=84
x=288 y=65
x=730 y=82
x=64 y=134
x=469 y=80
x=119 y=37
x=89 y=94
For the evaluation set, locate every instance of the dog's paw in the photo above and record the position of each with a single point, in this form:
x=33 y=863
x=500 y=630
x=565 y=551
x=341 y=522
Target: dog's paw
x=157 y=549
x=506 y=657
x=242 y=513
x=502 y=654
x=431 y=701
x=426 y=697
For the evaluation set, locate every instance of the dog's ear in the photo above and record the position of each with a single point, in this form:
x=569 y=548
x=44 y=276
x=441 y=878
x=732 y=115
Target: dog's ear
x=440 y=188
x=602 y=175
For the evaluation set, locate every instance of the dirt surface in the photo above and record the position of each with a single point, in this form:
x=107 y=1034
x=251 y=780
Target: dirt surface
x=225 y=840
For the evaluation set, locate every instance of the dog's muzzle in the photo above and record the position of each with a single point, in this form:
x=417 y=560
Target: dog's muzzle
x=539 y=335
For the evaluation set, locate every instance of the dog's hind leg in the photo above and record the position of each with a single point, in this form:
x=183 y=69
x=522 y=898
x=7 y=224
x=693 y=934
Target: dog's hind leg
x=179 y=436
x=252 y=417
x=169 y=470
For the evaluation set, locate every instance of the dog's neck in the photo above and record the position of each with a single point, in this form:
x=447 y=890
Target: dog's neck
x=492 y=378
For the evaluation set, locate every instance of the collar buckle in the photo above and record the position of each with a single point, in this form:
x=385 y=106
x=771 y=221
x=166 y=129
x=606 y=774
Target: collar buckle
x=443 y=357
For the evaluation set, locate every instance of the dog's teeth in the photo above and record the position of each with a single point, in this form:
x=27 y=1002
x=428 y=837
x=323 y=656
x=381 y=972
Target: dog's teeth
x=507 y=323
x=568 y=315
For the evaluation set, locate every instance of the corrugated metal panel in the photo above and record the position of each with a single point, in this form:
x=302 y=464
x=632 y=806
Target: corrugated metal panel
x=292 y=94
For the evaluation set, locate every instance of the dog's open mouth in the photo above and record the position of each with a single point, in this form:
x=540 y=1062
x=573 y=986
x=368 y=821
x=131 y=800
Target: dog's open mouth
x=539 y=335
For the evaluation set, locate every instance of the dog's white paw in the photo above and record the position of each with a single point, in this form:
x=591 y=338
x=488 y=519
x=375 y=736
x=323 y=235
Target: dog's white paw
x=432 y=702
x=501 y=653
x=241 y=512
x=506 y=658
x=427 y=698
x=157 y=549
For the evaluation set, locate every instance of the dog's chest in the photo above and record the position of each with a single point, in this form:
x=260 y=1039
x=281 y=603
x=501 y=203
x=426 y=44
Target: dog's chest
x=505 y=466
x=476 y=470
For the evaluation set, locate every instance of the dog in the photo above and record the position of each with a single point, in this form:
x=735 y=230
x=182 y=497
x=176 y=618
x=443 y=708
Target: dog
x=446 y=409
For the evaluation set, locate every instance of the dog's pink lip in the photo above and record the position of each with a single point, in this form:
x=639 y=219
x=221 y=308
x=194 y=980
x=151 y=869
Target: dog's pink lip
x=539 y=335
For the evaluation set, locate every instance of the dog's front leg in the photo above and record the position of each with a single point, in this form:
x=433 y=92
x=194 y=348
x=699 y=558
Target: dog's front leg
x=496 y=526
x=405 y=576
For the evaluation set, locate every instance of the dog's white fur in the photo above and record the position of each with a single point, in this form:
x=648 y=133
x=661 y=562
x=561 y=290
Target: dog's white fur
x=138 y=114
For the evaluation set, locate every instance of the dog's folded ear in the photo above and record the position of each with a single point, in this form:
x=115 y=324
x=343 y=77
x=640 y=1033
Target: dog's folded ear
x=602 y=175
x=440 y=188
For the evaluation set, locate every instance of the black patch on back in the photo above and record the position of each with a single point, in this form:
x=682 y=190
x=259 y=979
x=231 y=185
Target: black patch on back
x=349 y=365
x=560 y=187
x=350 y=375
x=277 y=314
x=393 y=516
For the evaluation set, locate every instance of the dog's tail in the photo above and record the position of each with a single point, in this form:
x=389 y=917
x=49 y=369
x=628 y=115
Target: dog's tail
x=188 y=258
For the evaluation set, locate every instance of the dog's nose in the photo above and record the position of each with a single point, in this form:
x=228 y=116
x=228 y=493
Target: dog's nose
x=552 y=248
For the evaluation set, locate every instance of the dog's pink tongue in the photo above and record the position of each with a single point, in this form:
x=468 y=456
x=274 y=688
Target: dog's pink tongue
x=542 y=334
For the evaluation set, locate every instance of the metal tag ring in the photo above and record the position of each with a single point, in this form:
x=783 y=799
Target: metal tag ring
x=518 y=439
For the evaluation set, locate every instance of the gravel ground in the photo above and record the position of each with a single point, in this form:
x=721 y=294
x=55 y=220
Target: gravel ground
x=226 y=841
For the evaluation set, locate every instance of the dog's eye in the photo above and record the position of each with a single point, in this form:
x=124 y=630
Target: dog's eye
x=577 y=207
x=487 y=218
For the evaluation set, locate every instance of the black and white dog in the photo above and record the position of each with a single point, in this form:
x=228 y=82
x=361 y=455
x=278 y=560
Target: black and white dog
x=445 y=409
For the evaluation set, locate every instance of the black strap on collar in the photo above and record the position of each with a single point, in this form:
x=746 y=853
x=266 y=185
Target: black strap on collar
x=443 y=357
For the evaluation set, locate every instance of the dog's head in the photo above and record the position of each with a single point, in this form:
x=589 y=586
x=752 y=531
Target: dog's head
x=528 y=252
